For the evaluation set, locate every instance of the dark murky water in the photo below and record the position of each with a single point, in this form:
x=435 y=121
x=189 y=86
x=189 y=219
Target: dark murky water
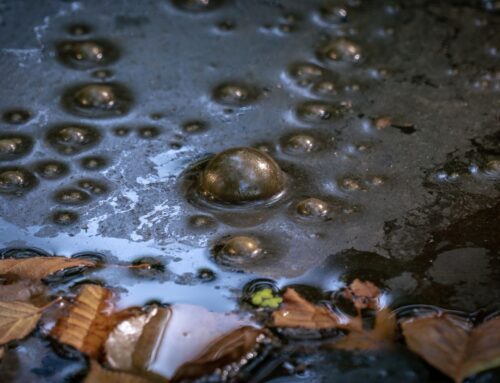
x=382 y=118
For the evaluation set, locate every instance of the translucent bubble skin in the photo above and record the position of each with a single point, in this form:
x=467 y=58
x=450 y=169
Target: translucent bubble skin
x=241 y=175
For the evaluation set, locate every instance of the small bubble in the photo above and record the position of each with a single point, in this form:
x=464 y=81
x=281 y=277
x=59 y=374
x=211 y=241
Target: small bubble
x=16 y=117
x=241 y=175
x=197 y=5
x=15 y=180
x=71 y=196
x=93 y=186
x=93 y=163
x=238 y=250
x=148 y=267
x=201 y=222
x=103 y=100
x=52 y=169
x=194 y=127
x=312 y=208
x=64 y=217
x=333 y=14
x=226 y=26
x=325 y=88
x=97 y=258
x=304 y=71
x=121 y=131
x=350 y=184
x=340 y=50
x=317 y=111
x=14 y=146
x=102 y=74
x=79 y=29
x=148 y=132
x=86 y=54
x=300 y=144
x=206 y=275
x=235 y=94
x=22 y=253
x=72 y=139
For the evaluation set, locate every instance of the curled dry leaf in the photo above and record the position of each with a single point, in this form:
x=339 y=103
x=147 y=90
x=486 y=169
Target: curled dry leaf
x=451 y=345
x=88 y=322
x=98 y=374
x=382 y=334
x=163 y=339
x=222 y=352
x=295 y=311
x=17 y=320
x=40 y=267
x=363 y=294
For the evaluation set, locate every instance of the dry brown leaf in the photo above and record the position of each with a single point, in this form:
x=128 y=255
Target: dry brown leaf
x=452 y=346
x=363 y=294
x=88 y=322
x=17 y=320
x=21 y=290
x=224 y=351
x=295 y=311
x=40 y=267
x=98 y=374
x=382 y=335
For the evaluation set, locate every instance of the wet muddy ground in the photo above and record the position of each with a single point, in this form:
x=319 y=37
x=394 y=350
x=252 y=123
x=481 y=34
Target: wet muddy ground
x=382 y=118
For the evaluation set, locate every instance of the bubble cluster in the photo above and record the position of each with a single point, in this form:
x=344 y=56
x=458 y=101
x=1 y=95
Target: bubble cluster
x=16 y=180
x=241 y=175
x=101 y=100
x=14 y=146
x=86 y=54
x=72 y=139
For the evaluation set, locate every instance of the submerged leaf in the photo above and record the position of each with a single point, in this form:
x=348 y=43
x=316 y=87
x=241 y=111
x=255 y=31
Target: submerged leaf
x=382 y=335
x=40 y=267
x=224 y=351
x=452 y=346
x=166 y=338
x=21 y=290
x=17 y=320
x=98 y=374
x=297 y=312
x=363 y=294
x=88 y=322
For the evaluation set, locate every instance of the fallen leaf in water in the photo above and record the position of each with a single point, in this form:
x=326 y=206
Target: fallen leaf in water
x=224 y=351
x=297 y=312
x=89 y=321
x=358 y=338
x=12 y=288
x=363 y=294
x=17 y=320
x=163 y=339
x=40 y=267
x=97 y=374
x=452 y=346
